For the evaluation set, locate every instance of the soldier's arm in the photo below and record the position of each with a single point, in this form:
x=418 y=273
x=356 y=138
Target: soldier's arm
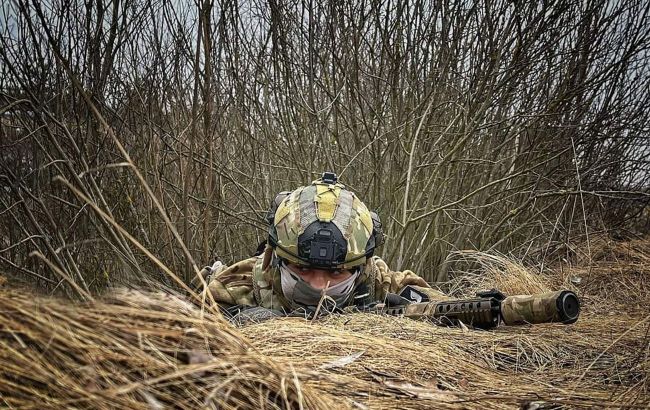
x=234 y=285
x=389 y=281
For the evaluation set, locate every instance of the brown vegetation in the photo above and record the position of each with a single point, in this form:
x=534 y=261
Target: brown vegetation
x=494 y=126
x=139 y=139
x=138 y=350
x=149 y=350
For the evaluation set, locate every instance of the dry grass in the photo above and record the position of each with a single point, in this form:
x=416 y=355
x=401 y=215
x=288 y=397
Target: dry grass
x=142 y=350
x=139 y=350
x=494 y=270
x=614 y=273
x=406 y=364
x=601 y=361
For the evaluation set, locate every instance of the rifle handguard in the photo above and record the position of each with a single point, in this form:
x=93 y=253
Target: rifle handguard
x=482 y=313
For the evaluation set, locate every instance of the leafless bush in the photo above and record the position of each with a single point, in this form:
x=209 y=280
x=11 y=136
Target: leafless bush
x=487 y=125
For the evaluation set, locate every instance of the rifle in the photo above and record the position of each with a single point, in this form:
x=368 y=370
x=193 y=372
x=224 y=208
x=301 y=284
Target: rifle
x=486 y=311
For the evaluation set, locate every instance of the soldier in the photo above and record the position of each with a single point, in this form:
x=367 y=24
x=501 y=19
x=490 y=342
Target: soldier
x=319 y=255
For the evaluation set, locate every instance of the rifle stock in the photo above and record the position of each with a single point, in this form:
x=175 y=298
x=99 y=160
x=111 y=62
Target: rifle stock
x=491 y=308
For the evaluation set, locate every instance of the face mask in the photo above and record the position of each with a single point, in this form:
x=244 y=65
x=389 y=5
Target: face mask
x=297 y=290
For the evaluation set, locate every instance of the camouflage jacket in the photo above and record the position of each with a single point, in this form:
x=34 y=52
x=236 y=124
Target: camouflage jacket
x=246 y=283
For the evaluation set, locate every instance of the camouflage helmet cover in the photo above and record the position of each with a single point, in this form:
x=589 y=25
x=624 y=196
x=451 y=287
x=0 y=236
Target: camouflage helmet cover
x=323 y=225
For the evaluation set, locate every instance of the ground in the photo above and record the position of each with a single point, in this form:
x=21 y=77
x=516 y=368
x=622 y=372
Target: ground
x=139 y=349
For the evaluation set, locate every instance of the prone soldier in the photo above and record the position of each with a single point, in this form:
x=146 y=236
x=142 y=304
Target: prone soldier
x=319 y=257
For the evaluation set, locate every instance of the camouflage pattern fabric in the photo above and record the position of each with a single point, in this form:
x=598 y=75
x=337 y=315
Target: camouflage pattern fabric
x=389 y=281
x=522 y=309
x=326 y=203
x=234 y=285
x=246 y=283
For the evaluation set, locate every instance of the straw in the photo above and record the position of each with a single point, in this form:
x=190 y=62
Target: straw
x=137 y=349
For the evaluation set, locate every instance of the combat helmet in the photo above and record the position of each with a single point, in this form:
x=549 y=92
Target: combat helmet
x=323 y=225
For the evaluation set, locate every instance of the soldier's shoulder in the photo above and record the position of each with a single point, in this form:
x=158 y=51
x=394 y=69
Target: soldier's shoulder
x=379 y=266
x=234 y=285
x=238 y=274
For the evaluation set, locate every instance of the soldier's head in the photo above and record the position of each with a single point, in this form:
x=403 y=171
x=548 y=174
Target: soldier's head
x=321 y=236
